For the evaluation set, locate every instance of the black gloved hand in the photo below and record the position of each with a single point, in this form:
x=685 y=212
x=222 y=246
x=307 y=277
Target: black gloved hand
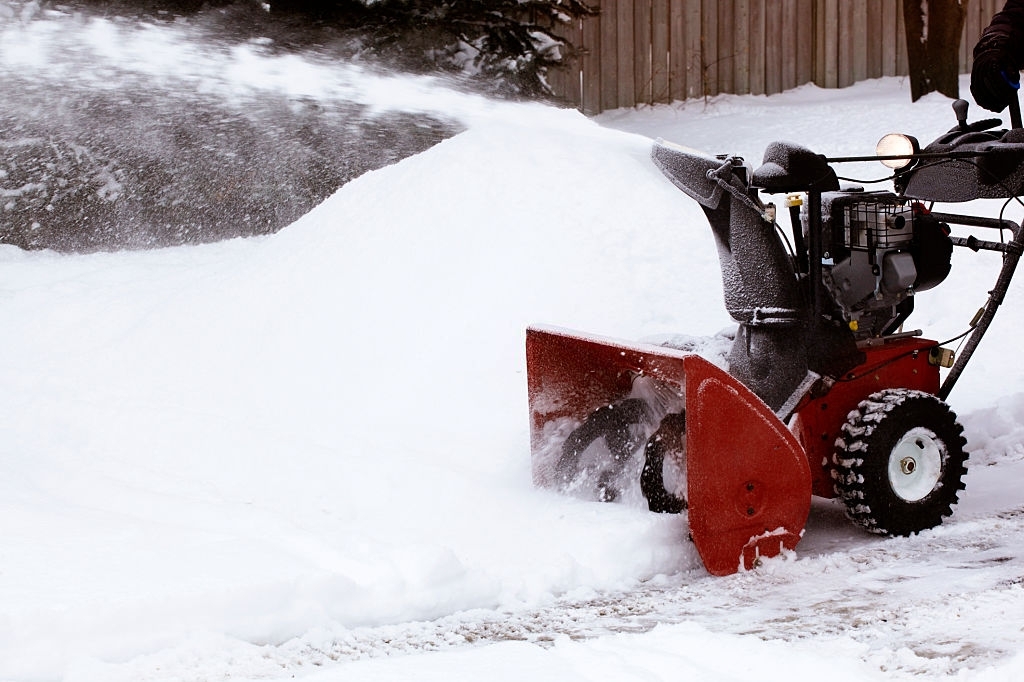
x=995 y=77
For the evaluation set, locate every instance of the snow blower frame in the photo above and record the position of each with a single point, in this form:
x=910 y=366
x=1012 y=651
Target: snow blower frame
x=824 y=394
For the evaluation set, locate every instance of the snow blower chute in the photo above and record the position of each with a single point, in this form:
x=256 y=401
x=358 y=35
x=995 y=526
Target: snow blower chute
x=825 y=393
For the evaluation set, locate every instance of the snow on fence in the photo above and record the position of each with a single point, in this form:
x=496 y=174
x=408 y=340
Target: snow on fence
x=650 y=51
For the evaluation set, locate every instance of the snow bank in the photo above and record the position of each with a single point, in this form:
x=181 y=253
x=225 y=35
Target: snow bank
x=329 y=425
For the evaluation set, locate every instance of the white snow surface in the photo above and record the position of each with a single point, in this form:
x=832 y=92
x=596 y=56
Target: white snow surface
x=306 y=456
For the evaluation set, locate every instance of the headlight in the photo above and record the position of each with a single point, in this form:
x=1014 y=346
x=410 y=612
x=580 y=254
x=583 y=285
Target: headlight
x=895 y=150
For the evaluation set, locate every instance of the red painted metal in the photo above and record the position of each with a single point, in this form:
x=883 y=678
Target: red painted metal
x=897 y=364
x=749 y=485
x=748 y=482
x=570 y=375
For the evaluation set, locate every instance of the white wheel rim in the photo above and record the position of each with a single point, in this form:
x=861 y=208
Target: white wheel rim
x=915 y=464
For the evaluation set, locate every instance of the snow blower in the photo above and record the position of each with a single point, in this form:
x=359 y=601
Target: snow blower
x=825 y=392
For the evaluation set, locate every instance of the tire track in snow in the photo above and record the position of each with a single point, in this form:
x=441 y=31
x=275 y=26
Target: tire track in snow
x=913 y=605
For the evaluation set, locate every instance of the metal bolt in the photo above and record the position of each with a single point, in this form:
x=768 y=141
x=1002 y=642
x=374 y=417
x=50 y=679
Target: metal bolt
x=908 y=465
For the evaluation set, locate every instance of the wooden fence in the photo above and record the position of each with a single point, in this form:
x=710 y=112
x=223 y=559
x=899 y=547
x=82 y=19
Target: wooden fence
x=650 y=51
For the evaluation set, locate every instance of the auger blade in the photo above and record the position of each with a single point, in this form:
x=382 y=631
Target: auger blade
x=748 y=483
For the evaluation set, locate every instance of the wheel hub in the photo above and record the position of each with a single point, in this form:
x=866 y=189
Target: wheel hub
x=915 y=464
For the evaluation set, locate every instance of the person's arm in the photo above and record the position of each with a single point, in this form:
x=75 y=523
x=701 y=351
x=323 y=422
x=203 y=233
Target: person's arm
x=999 y=57
x=1010 y=22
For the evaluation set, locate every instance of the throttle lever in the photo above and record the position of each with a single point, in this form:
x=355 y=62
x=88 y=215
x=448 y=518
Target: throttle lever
x=960 y=107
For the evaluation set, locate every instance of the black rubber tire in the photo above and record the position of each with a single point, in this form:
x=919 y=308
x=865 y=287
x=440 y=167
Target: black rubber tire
x=671 y=435
x=618 y=424
x=899 y=463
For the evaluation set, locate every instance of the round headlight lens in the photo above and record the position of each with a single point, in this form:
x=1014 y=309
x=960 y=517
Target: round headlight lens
x=896 y=145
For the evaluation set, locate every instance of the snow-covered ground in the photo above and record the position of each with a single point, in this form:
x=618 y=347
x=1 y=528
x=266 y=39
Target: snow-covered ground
x=306 y=456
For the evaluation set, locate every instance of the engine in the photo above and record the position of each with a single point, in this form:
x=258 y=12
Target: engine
x=878 y=251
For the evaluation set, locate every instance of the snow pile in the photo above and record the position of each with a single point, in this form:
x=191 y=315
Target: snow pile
x=328 y=425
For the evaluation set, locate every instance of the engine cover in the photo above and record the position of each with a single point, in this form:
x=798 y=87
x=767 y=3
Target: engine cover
x=878 y=251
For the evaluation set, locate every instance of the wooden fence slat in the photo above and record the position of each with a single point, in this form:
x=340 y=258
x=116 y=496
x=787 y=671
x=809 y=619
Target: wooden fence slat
x=571 y=82
x=624 y=64
x=731 y=53
x=608 y=64
x=802 y=33
x=773 y=64
x=757 y=47
x=873 y=37
x=642 y=54
x=787 y=36
x=818 y=38
x=695 y=72
x=711 y=59
x=660 y=91
x=888 y=37
x=831 y=18
x=860 y=39
x=677 y=51
x=740 y=46
x=845 y=48
x=557 y=78
x=901 y=40
x=590 y=37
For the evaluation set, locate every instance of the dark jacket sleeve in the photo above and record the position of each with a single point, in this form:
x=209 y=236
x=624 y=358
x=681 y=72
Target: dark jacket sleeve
x=1008 y=22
